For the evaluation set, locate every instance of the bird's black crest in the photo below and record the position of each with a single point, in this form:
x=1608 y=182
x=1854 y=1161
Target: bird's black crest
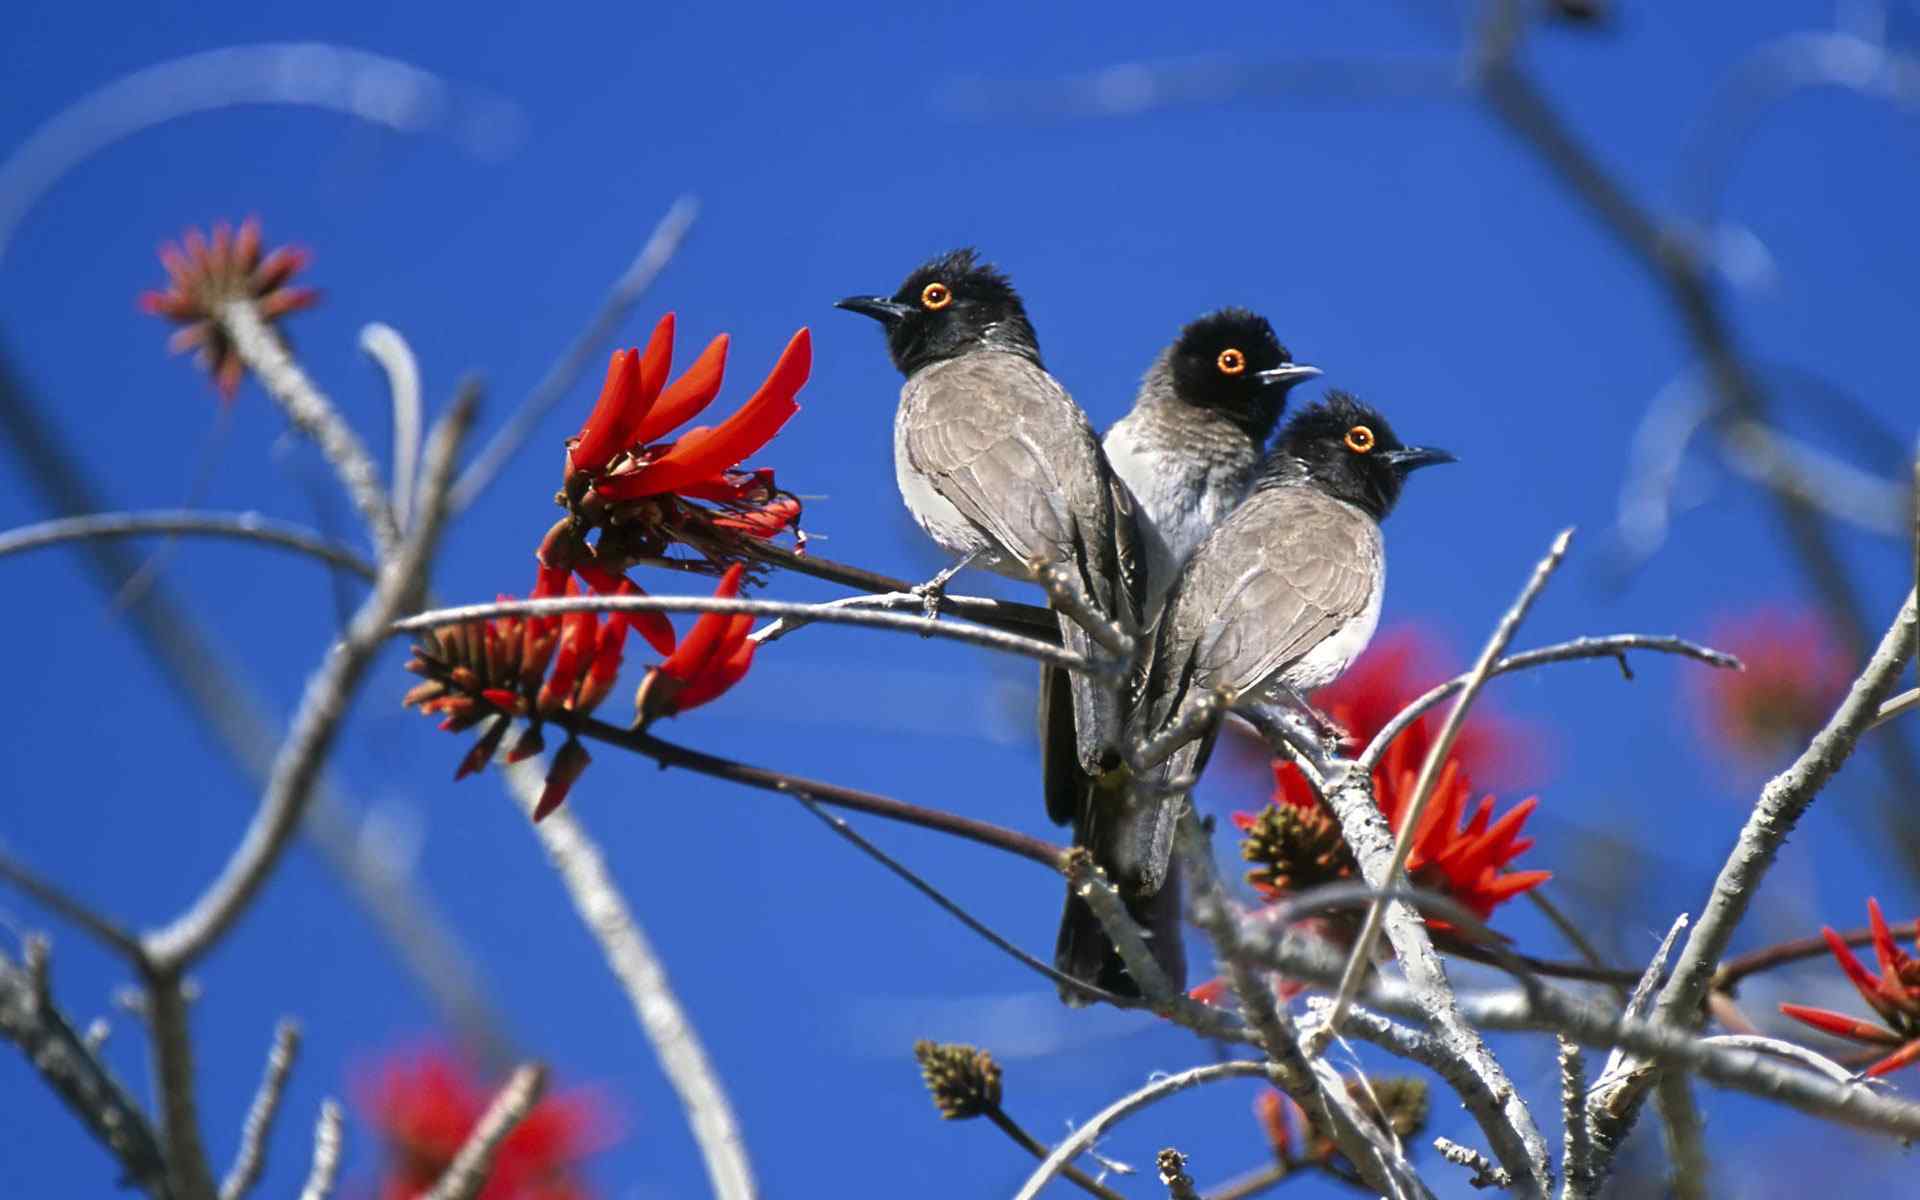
x=1239 y=395
x=1325 y=440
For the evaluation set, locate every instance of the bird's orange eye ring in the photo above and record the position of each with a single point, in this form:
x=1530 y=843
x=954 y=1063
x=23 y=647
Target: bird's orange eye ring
x=1359 y=439
x=935 y=296
x=1231 y=361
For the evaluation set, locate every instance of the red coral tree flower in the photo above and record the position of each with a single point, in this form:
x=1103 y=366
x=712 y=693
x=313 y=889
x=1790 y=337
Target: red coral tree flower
x=203 y=274
x=1795 y=675
x=424 y=1104
x=713 y=657
x=1894 y=994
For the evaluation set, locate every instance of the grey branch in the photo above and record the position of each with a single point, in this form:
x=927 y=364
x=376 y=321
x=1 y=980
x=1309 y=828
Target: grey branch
x=1084 y=1137
x=401 y=584
x=992 y=639
x=51 y=1045
x=1614 y=646
x=251 y=1159
x=313 y=415
x=326 y=1154
x=1485 y=1173
x=1090 y=883
x=1791 y=1051
x=1576 y=1156
x=241 y=526
x=467 y=1173
x=1423 y=790
x=995 y=614
x=385 y=346
x=56 y=899
x=631 y=959
x=661 y=245
x=1606 y=1129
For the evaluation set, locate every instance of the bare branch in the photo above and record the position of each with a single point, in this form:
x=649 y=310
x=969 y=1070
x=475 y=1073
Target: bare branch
x=104 y=929
x=1031 y=1145
x=313 y=415
x=243 y=526
x=251 y=1159
x=385 y=346
x=322 y=709
x=1684 y=1134
x=1905 y=702
x=978 y=609
x=1787 y=1050
x=1614 y=646
x=630 y=957
x=1167 y=1085
x=467 y=1173
x=1090 y=883
x=660 y=247
x=1032 y=619
x=326 y=1154
x=1576 y=1156
x=992 y=639
x=1485 y=1173
x=71 y=1069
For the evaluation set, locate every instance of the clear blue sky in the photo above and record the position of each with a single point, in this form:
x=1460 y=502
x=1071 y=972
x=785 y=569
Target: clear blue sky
x=1407 y=246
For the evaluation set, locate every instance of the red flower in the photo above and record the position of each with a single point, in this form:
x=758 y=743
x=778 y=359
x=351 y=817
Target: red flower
x=425 y=1103
x=204 y=275
x=713 y=657
x=1796 y=674
x=1894 y=994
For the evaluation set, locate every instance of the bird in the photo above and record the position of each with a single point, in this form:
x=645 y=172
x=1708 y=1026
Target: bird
x=1187 y=450
x=1000 y=467
x=1276 y=601
x=1197 y=430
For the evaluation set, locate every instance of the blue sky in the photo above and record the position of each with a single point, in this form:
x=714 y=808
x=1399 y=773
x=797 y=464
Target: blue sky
x=1407 y=245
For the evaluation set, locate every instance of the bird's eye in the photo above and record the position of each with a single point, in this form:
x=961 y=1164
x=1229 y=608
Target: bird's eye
x=1359 y=439
x=935 y=296
x=1231 y=362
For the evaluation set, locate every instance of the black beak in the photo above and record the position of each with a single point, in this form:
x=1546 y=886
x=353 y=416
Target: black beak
x=1287 y=374
x=880 y=308
x=1412 y=458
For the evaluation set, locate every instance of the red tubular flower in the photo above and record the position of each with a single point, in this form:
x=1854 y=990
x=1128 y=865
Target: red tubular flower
x=203 y=275
x=1795 y=676
x=568 y=763
x=1462 y=856
x=633 y=384
x=425 y=1103
x=713 y=657
x=1894 y=994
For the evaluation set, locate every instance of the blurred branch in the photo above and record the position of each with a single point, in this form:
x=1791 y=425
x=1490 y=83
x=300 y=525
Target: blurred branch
x=243 y=526
x=385 y=346
x=61 y=1057
x=467 y=1173
x=629 y=955
x=661 y=245
x=251 y=1159
x=370 y=87
x=326 y=1154
x=313 y=415
x=1737 y=968
x=973 y=635
x=103 y=929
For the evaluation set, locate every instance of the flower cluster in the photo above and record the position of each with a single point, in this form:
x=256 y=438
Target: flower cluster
x=1459 y=849
x=425 y=1103
x=964 y=1081
x=1795 y=676
x=1894 y=994
x=629 y=495
x=204 y=273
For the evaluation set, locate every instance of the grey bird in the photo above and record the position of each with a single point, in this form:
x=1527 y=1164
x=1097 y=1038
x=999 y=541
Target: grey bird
x=1278 y=599
x=1187 y=451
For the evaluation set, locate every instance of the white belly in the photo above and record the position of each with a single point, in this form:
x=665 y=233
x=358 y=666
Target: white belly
x=1325 y=662
x=1181 y=504
x=944 y=523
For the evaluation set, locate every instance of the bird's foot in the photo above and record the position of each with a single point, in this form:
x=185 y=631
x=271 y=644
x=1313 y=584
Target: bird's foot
x=934 y=590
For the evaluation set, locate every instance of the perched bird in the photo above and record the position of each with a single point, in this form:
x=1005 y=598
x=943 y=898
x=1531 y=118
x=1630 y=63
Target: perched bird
x=1198 y=429
x=1277 y=600
x=1188 y=451
x=1000 y=466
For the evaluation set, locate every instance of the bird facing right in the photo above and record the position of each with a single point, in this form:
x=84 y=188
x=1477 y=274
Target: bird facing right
x=1283 y=594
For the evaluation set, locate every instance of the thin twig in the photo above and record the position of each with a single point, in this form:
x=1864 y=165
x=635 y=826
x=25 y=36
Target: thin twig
x=660 y=247
x=1031 y=1145
x=631 y=958
x=992 y=639
x=1252 y=1183
x=103 y=928
x=1035 y=620
x=1791 y=1051
x=313 y=415
x=385 y=346
x=467 y=1173
x=69 y=1066
x=1083 y=1137
x=1090 y=883
x=1485 y=1173
x=1576 y=1155
x=326 y=1154
x=251 y=1159
x=1614 y=646
x=1906 y=701
x=978 y=609
x=241 y=526
x=1684 y=1134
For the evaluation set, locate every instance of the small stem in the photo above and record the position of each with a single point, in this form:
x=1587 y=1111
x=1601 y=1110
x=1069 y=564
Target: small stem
x=1025 y=1141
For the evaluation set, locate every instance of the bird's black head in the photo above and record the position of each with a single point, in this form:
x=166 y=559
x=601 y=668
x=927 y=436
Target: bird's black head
x=950 y=305
x=1348 y=451
x=1231 y=363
